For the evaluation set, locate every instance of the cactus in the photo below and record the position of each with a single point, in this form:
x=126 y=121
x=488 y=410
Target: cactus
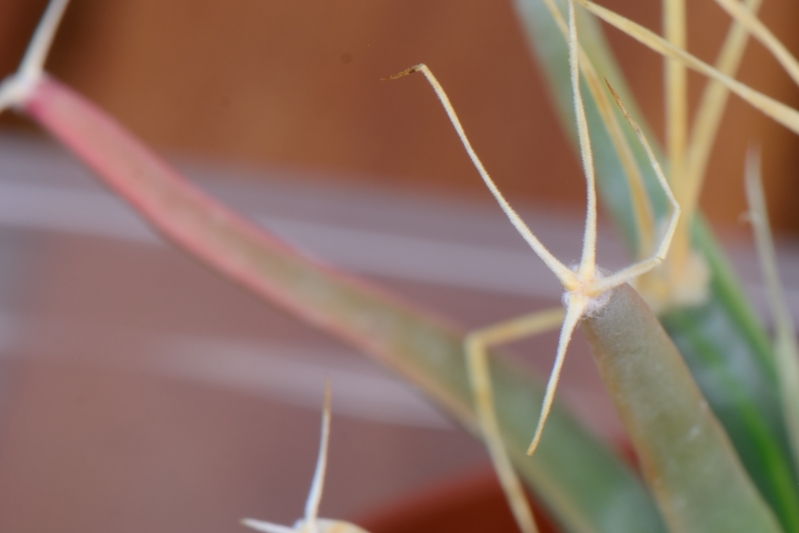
x=709 y=404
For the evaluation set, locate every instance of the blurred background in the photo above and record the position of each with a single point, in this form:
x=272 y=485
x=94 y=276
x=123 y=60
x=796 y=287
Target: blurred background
x=260 y=82
x=141 y=392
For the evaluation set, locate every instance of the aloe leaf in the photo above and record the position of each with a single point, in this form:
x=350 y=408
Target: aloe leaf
x=587 y=488
x=722 y=341
x=685 y=455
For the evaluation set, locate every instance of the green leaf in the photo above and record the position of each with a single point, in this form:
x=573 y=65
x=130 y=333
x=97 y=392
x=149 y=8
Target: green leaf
x=722 y=341
x=785 y=344
x=685 y=455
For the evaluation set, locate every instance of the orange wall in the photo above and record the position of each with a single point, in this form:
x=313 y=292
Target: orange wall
x=298 y=83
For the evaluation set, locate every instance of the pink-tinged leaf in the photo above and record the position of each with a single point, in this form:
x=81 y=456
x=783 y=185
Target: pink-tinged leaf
x=576 y=476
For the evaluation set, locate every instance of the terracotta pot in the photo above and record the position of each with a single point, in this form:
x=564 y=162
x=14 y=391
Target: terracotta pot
x=472 y=503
